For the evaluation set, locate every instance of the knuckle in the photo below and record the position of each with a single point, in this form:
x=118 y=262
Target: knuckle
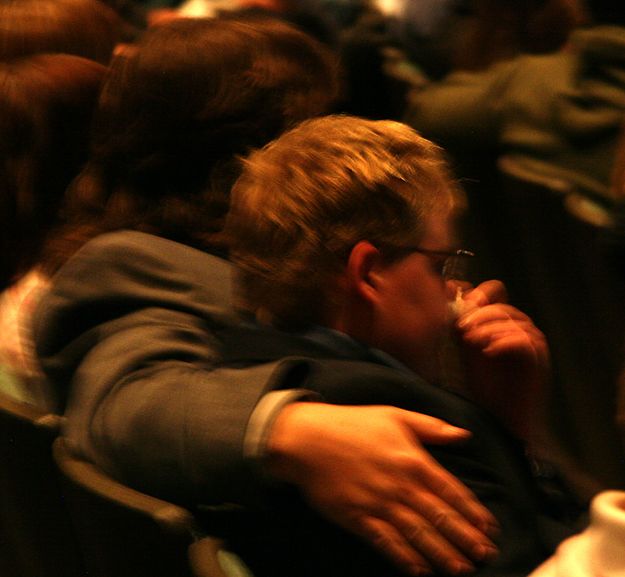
x=377 y=536
x=381 y=541
x=419 y=533
x=392 y=413
x=443 y=519
x=409 y=461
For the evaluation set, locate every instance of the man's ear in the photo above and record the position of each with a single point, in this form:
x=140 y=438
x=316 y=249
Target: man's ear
x=363 y=271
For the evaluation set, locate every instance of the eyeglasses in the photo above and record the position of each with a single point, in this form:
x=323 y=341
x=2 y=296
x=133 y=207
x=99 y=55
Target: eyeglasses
x=453 y=264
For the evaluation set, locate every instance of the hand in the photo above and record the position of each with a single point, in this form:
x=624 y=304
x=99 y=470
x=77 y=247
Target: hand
x=506 y=355
x=365 y=469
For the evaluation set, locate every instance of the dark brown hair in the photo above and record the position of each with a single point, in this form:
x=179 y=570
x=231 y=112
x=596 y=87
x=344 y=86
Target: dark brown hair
x=607 y=12
x=85 y=28
x=502 y=29
x=178 y=110
x=46 y=103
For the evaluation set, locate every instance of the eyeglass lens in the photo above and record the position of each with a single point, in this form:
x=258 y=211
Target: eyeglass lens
x=456 y=267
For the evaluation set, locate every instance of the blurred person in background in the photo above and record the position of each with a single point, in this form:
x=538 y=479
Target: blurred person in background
x=46 y=102
x=47 y=98
x=555 y=116
x=87 y=28
x=497 y=30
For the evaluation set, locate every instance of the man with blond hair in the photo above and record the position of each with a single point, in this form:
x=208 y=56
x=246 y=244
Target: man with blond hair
x=343 y=232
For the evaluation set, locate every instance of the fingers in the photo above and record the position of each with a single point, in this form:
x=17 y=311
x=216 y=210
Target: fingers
x=515 y=345
x=466 y=536
x=392 y=544
x=413 y=543
x=434 y=431
x=488 y=292
x=503 y=330
x=500 y=328
x=425 y=470
x=444 y=536
x=490 y=313
x=421 y=534
x=446 y=493
x=436 y=538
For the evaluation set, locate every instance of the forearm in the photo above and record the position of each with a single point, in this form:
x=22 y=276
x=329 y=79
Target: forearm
x=178 y=432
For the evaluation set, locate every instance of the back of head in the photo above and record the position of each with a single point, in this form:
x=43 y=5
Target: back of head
x=503 y=29
x=607 y=12
x=46 y=103
x=85 y=28
x=304 y=201
x=177 y=110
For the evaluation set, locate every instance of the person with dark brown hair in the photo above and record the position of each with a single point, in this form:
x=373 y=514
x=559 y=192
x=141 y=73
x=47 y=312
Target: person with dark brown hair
x=46 y=103
x=129 y=331
x=497 y=30
x=51 y=64
x=36 y=102
x=87 y=28
x=171 y=124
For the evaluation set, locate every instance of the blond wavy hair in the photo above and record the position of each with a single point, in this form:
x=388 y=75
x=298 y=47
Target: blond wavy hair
x=304 y=201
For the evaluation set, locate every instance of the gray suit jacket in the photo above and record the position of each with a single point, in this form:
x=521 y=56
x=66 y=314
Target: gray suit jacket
x=127 y=337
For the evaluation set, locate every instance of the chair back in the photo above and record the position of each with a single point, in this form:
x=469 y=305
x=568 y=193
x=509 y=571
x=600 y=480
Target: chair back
x=564 y=279
x=126 y=533
x=36 y=535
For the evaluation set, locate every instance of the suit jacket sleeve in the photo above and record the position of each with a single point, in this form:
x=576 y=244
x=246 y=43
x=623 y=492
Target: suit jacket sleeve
x=127 y=335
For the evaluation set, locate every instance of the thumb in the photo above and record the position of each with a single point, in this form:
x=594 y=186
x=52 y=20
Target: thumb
x=488 y=292
x=432 y=430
